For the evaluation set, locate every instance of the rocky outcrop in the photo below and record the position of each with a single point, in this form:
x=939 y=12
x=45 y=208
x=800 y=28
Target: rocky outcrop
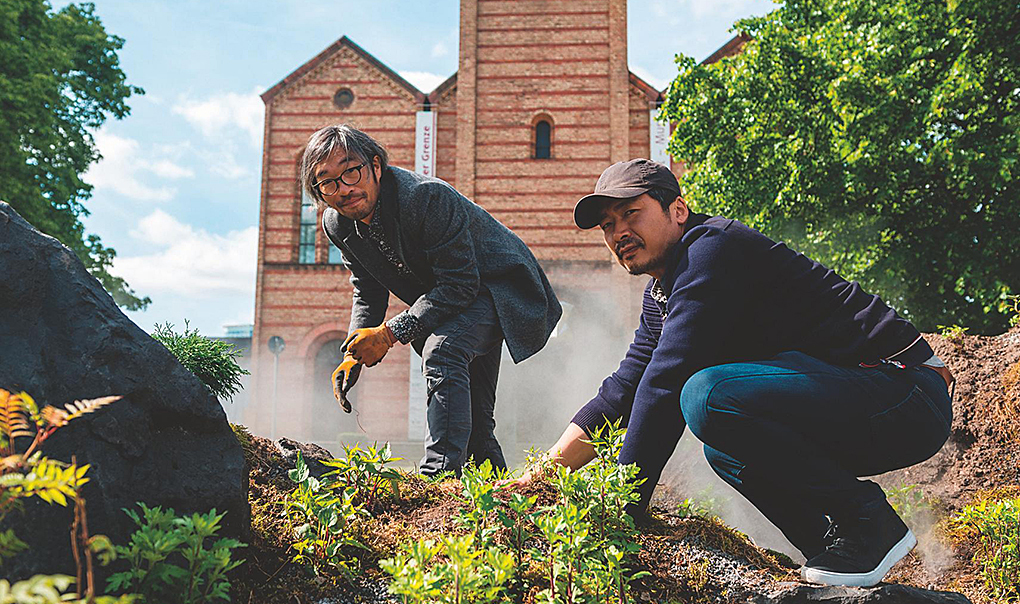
x=167 y=442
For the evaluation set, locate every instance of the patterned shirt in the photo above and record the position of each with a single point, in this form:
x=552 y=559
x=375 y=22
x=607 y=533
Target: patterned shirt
x=404 y=326
x=659 y=295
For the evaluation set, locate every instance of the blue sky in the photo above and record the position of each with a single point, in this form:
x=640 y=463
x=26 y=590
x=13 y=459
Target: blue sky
x=177 y=192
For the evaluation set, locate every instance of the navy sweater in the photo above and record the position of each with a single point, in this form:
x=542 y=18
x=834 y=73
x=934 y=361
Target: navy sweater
x=735 y=295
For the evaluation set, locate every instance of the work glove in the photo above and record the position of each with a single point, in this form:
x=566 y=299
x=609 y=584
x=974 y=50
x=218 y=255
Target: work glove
x=344 y=377
x=369 y=344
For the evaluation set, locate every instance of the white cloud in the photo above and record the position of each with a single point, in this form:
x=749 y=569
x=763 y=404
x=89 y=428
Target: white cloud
x=190 y=262
x=657 y=82
x=423 y=80
x=224 y=115
x=126 y=164
x=439 y=50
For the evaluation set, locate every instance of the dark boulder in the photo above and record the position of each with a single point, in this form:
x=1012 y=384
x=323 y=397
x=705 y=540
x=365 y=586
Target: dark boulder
x=167 y=442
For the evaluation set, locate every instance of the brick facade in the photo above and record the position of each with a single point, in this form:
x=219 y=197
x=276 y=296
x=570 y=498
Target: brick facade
x=521 y=61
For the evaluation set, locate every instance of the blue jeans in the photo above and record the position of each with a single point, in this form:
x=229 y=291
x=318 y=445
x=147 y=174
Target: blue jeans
x=793 y=433
x=460 y=361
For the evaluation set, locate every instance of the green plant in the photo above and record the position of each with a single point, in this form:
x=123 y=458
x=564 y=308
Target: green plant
x=588 y=533
x=479 y=489
x=515 y=515
x=48 y=589
x=953 y=333
x=322 y=514
x=908 y=500
x=365 y=471
x=997 y=525
x=29 y=474
x=176 y=559
x=212 y=361
x=1011 y=305
x=457 y=570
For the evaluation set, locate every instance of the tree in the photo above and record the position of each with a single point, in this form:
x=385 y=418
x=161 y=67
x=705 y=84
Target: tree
x=880 y=137
x=59 y=79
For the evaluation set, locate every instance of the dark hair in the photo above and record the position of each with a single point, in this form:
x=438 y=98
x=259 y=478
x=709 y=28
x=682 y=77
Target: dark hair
x=325 y=141
x=664 y=196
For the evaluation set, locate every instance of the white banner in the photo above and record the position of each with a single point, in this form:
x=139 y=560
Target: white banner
x=659 y=138
x=425 y=143
x=417 y=393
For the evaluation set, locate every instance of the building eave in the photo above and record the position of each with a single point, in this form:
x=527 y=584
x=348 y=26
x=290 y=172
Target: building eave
x=269 y=95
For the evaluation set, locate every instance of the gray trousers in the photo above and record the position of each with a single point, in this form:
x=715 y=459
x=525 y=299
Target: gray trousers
x=460 y=361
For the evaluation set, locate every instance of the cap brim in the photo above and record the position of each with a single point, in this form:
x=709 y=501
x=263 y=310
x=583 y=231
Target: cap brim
x=586 y=211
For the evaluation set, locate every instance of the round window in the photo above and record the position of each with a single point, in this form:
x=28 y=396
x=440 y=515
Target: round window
x=343 y=98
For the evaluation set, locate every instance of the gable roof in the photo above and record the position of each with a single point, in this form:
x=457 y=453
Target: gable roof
x=734 y=46
x=653 y=95
x=267 y=96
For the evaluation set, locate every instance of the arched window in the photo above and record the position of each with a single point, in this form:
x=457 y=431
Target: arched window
x=306 y=241
x=543 y=139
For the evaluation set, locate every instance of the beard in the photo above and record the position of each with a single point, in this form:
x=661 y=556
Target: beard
x=639 y=268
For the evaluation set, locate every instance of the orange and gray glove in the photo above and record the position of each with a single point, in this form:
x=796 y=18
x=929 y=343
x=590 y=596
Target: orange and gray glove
x=369 y=345
x=344 y=377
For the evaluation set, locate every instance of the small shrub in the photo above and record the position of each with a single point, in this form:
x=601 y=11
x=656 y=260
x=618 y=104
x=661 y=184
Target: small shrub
x=908 y=500
x=457 y=570
x=997 y=526
x=365 y=471
x=212 y=361
x=953 y=333
x=322 y=515
x=176 y=559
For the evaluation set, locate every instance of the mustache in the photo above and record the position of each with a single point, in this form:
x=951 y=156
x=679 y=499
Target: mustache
x=630 y=241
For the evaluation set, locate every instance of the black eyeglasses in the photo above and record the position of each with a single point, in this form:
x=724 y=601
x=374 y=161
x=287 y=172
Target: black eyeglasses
x=350 y=177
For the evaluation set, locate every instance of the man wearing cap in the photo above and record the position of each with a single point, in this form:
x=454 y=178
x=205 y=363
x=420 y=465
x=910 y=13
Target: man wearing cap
x=469 y=282
x=796 y=380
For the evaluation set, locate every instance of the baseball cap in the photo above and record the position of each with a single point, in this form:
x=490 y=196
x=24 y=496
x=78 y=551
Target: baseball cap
x=623 y=180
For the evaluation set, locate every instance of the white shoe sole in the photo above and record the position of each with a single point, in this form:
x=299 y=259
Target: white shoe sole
x=868 y=579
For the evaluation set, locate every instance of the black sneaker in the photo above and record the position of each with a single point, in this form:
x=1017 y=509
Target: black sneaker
x=862 y=550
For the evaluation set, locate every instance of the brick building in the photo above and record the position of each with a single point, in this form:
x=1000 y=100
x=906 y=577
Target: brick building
x=542 y=102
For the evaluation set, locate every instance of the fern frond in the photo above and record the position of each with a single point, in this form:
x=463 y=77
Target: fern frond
x=80 y=408
x=15 y=410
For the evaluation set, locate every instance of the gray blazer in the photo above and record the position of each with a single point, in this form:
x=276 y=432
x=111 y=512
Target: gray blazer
x=453 y=248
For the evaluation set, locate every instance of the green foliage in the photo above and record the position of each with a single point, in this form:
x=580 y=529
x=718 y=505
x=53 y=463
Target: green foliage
x=479 y=493
x=583 y=543
x=588 y=534
x=953 y=333
x=908 y=500
x=212 y=361
x=880 y=138
x=61 y=79
x=1012 y=306
x=458 y=570
x=365 y=471
x=176 y=559
x=48 y=589
x=323 y=514
x=997 y=524
x=27 y=473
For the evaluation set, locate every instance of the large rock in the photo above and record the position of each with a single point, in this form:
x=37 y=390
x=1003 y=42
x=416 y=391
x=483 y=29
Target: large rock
x=167 y=442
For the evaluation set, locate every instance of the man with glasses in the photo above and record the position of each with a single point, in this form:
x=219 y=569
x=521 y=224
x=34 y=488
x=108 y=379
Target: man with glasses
x=469 y=281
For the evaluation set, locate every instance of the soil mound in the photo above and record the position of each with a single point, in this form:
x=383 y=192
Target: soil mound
x=983 y=451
